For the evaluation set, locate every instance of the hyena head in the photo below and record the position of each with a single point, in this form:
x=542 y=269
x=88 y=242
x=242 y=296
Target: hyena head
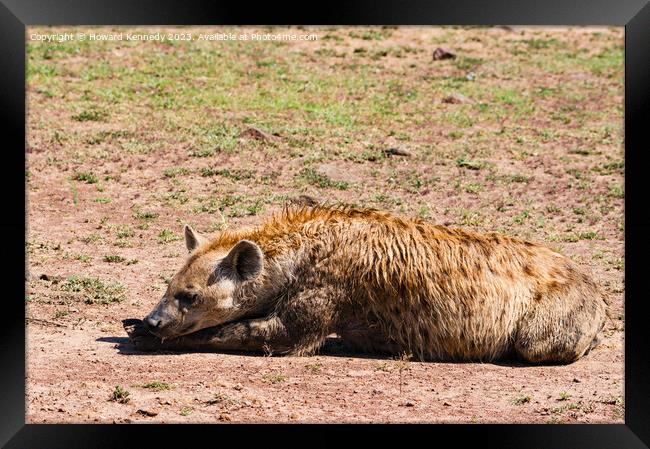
x=204 y=292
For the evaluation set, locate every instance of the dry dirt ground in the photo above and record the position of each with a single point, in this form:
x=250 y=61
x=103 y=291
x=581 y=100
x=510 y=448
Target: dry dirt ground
x=521 y=133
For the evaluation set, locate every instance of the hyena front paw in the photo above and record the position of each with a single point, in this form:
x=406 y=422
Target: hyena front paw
x=140 y=336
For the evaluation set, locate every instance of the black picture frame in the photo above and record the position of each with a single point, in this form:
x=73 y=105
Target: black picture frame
x=15 y=15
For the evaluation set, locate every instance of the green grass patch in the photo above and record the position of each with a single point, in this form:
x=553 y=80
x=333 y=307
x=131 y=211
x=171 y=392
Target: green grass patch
x=458 y=118
x=521 y=217
x=521 y=399
x=166 y=236
x=236 y=174
x=172 y=172
x=125 y=232
x=77 y=256
x=541 y=44
x=94 y=290
x=517 y=177
x=314 y=178
x=202 y=152
x=467 y=63
x=371 y=35
x=617 y=191
x=274 y=378
x=207 y=172
x=90 y=115
x=157 y=386
x=60 y=314
x=120 y=395
x=463 y=162
x=87 y=177
x=146 y=215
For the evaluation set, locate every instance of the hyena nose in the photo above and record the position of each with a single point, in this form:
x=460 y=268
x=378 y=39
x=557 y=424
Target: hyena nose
x=151 y=323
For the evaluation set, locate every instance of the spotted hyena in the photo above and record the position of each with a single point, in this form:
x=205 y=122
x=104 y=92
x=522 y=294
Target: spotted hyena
x=383 y=283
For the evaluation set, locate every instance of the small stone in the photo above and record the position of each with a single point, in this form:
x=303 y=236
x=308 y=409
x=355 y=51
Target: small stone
x=409 y=404
x=147 y=412
x=257 y=134
x=47 y=277
x=304 y=200
x=456 y=98
x=397 y=152
x=440 y=54
x=238 y=387
x=576 y=380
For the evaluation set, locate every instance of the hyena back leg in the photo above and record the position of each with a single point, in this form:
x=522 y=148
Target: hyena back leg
x=298 y=326
x=554 y=333
x=365 y=340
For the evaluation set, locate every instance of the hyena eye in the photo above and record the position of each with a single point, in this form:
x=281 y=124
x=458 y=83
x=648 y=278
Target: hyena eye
x=186 y=297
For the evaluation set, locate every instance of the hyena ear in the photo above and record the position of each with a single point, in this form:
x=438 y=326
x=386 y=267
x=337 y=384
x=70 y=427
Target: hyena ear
x=244 y=261
x=193 y=238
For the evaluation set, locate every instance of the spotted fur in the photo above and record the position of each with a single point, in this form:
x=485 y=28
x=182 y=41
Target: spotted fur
x=386 y=283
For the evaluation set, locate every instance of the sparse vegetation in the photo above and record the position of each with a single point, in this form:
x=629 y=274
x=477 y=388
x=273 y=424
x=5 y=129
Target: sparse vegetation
x=312 y=177
x=146 y=215
x=520 y=133
x=463 y=162
x=617 y=191
x=90 y=115
x=156 y=386
x=76 y=256
x=93 y=290
x=120 y=395
x=166 y=236
x=274 y=378
x=172 y=172
x=402 y=364
x=87 y=177
x=125 y=232
x=521 y=399
x=236 y=174
x=91 y=238
x=314 y=368
x=61 y=313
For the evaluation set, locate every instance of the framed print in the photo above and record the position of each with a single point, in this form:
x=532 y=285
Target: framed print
x=397 y=214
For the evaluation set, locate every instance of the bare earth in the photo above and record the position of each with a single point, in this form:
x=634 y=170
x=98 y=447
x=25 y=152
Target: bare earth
x=127 y=141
